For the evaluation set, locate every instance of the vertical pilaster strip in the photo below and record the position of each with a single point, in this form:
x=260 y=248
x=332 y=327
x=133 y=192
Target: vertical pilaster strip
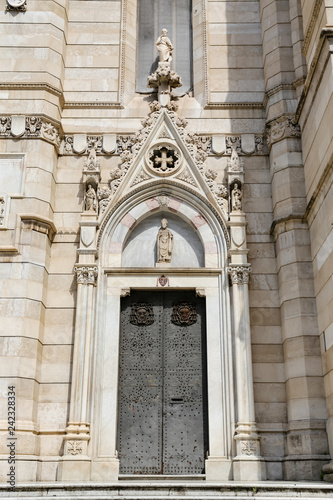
x=75 y=463
x=248 y=464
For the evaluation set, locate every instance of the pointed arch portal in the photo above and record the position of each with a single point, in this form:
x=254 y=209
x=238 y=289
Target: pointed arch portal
x=162 y=177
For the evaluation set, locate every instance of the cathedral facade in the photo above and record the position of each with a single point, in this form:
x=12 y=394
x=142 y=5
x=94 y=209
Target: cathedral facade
x=166 y=240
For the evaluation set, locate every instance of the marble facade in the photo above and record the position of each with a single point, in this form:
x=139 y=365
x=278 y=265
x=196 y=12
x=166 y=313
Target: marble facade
x=244 y=175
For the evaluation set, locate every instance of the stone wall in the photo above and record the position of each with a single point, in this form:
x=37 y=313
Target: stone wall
x=261 y=68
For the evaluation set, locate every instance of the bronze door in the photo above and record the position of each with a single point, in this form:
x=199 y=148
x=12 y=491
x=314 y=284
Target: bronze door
x=162 y=416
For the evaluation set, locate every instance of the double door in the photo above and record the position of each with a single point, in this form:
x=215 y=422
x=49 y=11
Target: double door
x=162 y=401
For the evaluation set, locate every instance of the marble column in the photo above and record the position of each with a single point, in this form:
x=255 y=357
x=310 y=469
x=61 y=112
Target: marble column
x=75 y=463
x=248 y=464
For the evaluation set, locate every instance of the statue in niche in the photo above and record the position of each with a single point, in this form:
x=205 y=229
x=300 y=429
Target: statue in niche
x=236 y=198
x=164 y=243
x=164 y=47
x=90 y=199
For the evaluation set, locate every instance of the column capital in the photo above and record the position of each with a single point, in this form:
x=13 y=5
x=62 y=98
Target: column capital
x=86 y=275
x=239 y=275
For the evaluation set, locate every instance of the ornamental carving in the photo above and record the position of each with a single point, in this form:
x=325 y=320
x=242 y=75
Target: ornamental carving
x=74 y=448
x=239 y=275
x=86 y=275
x=142 y=314
x=5 y=125
x=17 y=5
x=2 y=210
x=184 y=314
x=233 y=143
x=281 y=128
x=33 y=125
x=199 y=147
x=249 y=448
x=219 y=190
x=164 y=158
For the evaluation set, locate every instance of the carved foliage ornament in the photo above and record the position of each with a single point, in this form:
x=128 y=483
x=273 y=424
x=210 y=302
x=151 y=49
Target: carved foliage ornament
x=86 y=275
x=74 y=447
x=142 y=314
x=249 y=448
x=282 y=127
x=184 y=314
x=239 y=275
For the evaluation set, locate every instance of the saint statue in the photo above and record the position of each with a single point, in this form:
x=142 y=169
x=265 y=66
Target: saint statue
x=90 y=199
x=164 y=243
x=236 y=198
x=164 y=47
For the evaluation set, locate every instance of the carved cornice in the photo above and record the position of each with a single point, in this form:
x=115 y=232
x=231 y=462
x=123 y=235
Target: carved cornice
x=32 y=86
x=34 y=127
x=40 y=224
x=239 y=275
x=86 y=275
x=313 y=19
x=281 y=128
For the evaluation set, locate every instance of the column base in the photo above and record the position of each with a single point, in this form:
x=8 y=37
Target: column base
x=250 y=469
x=106 y=470
x=218 y=469
x=74 y=469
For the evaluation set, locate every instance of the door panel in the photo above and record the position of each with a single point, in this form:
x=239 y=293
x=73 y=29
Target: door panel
x=162 y=425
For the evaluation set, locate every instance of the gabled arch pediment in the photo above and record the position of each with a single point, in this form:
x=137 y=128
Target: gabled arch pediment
x=163 y=153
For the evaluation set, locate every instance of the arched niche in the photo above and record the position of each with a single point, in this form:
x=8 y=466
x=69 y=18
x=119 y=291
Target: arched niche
x=140 y=249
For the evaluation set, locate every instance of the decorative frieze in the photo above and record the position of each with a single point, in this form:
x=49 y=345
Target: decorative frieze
x=239 y=275
x=29 y=127
x=281 y=128
x=86 y=275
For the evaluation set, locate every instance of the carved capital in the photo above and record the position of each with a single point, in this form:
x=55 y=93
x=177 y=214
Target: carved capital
x=239 y=275
x=86 y=275
x=281 y=128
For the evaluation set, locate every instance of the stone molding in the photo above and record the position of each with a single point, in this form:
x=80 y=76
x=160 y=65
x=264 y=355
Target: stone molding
x=310 y=29
x=86 y=275
x=34 y=127
x=282 y=128
x=40 y=224
x=239 y=275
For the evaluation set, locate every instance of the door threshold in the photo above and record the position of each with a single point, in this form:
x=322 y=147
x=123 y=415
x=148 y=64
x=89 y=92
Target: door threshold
x=162 y=477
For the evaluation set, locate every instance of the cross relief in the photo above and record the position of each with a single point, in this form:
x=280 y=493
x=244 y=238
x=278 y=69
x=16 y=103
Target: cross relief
x=164 y=159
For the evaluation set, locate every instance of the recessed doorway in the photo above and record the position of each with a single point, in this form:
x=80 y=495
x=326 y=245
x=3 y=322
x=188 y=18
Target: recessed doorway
x=162 y=398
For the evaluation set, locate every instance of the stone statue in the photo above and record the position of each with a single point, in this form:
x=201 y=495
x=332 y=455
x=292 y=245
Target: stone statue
x=236 y=198
x=164 y=243
x=164 y=47
x=90 y=199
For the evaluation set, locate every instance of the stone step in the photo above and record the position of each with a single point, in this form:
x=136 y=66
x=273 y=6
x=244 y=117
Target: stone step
x=170 y=490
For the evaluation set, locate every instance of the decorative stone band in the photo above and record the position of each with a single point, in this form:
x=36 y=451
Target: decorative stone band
x=86 y=275
x=281 y=128
x=239 y=275
x=29 y=127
